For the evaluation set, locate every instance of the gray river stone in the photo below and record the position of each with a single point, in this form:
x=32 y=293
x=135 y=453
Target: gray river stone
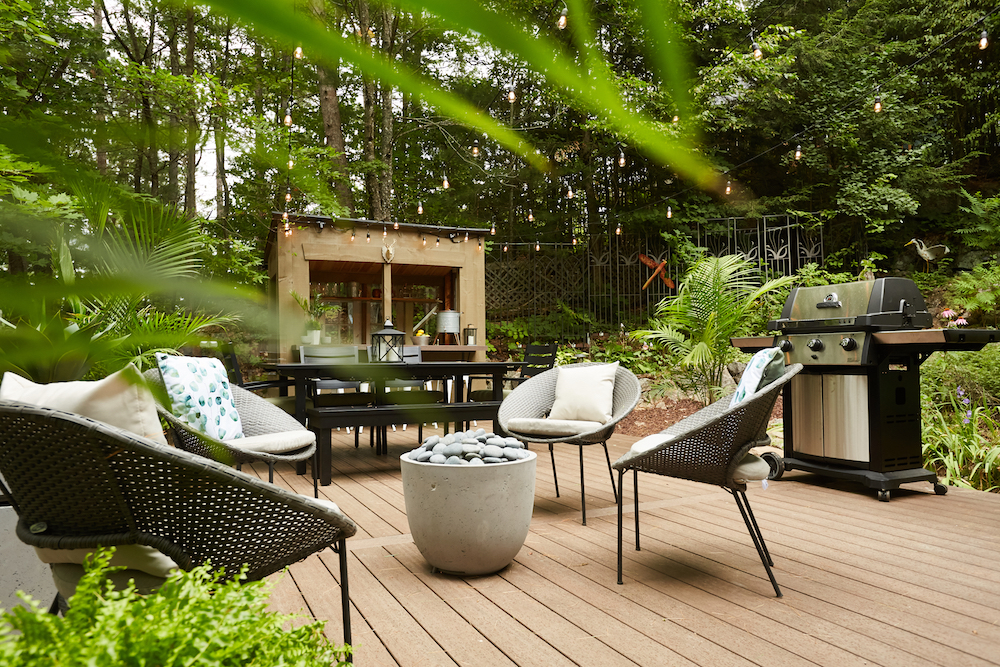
x=512 y=442
x=476 y=462
x=473 y=455
x=492 y=451
x=467 y=449
x=511 y=453
x=438 y=458
x=454 y=449
x=495 y=441
x=439 y=448
x=432 y=440
x=424 y=456
x=493 y=459
x=454 y=461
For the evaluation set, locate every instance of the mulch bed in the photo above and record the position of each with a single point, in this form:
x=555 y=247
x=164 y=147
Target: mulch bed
x=646 y=420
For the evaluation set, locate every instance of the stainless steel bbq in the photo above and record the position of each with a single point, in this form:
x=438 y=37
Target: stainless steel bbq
x=854 y=410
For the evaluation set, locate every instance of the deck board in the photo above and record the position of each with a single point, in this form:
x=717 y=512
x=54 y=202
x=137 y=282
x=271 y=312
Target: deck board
x=914 y=582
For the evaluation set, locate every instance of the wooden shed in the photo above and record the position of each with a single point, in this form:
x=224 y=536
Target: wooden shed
x=364 y=271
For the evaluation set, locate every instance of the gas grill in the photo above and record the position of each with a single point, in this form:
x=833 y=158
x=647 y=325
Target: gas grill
x=854 y=410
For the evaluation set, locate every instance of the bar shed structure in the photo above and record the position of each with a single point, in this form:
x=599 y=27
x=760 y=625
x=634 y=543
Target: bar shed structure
x=421 y=277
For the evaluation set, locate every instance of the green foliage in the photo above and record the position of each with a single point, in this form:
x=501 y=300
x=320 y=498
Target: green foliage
x=193 y=619
x=982 y=217
x=715 y=301
x=977 y=291
x=978 y=373
x=962 y=441
x=639 y=358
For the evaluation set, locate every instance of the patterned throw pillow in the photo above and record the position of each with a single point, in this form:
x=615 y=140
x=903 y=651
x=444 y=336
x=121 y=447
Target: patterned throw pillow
x=198 y=388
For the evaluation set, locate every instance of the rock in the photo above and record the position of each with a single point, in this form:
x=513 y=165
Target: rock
x=439 y=448
x=448 y=439
x=512 y=442
x=453 y=449
x=470 y=449
x=512 y=453
x=454 y=461
x=423 y=456
x=495 y=441
x=492 y=451
x=469 y=441
x=479 y=432
x=493 y=459
x=476 y=462
x=473 y=455
x=431 y=441
x=438 y=458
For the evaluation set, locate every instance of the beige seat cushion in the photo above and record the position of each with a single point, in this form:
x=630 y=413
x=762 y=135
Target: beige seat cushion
x=552 y=427
x=585 y=393
x=275 y=443
x=751 y=468
x=133 y=556
x=121 y=399
x=67 y=575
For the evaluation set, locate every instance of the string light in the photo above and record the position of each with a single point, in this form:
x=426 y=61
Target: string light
x=757 y=53
x=538 y=246
x=493 y=229
x=675 y=119
x=466 y=237
x=395 y=224
x=288 y=195
x=368 y=236
x=384 y=232
x=288 y=120
x=621 y=158
x=531 y=216
x=569 y=192
x=574 y=238
x=284 y=216
x=984 y=41
x=561 y=22
x=291 y=163
x=878 y=101
x=729 y=187
x=798 y=152
x=298 y=52
x=437 y=244
x=420 y=208
x=352 y=233
x=480 y=243
x=505 y=247
x=444 y=183
x=618 y=229
x=475 y=148
x=423 y=240
x=670 y=212
x=511 y=93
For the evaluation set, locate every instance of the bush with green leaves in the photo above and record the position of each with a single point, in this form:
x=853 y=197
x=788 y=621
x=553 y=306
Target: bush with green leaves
x=978 y=373
x=961 y=442
x=193 y=619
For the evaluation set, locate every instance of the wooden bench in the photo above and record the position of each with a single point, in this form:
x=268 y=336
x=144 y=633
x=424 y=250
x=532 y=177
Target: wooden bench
x=322 y=421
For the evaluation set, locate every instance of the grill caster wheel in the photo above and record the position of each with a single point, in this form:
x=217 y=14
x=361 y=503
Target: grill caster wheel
x=940 y=489
x=777 y=464
x=883 y=496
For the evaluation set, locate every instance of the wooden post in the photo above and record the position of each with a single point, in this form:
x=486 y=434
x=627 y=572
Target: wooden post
x=387 y=291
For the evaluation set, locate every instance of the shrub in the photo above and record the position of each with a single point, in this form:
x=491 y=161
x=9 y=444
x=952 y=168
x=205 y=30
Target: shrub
x=962 y=442
x=193 y=619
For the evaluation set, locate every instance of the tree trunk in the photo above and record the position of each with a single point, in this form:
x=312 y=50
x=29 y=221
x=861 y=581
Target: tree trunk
x=191 y=168
x=100 y=136
x=370 y=99
x=220 y=133
x=386 y=135
x=173 y=149
x=333 y=131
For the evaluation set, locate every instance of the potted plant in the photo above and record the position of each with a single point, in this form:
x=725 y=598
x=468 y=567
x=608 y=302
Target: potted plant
x=315 y=309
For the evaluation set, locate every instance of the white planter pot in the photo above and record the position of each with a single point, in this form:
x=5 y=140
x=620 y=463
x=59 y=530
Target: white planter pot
x=469 y=520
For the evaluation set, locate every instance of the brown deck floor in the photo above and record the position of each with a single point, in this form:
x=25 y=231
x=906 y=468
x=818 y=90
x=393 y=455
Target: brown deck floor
x=915 y=581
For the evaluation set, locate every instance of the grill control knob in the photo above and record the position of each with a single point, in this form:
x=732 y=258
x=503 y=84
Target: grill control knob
x=848 y=344
x=815 y=345
x=786 y=346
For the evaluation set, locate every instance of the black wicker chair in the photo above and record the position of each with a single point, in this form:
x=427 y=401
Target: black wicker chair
x=709 y=446
x=76 y=483
x=533 y=399
x=259 y=418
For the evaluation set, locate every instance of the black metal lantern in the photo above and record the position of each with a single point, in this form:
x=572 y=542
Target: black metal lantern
x=387 y=344
x=469 y=335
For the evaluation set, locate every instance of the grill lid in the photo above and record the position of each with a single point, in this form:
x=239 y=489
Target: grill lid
x=883 y=304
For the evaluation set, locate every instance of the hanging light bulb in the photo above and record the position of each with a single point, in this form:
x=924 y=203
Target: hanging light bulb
x=480 y=243
x=368 y=236
x=676 y=119
x=493 y=229
x=423 y=240
x=475 y=148
x=384 y=231
x=288 y=120
x=291 y=163
x=298 y=52
x=798 y=152
x=878 y=101
x=757 y=53
x=569 y=192
x=444 y=183
x=531 y=216
x=505 y=247
x=284 y=216
x=984 y=41
x=538 y=246
x=618 y=229
x=670 y=212
x=395 y=224
x=729 y=187
x=621 y=158
x=420 y=208
x=288 y=195
x=466 y=237
x=574 y=238
x=352 y=234
x=437 y=244
x=511 y=93
x=561 y=23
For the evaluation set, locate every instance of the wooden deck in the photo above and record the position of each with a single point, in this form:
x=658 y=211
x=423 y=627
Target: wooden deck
x=915 y=581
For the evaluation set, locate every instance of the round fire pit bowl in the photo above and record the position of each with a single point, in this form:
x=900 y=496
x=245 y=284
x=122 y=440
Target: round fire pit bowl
x=469 y=519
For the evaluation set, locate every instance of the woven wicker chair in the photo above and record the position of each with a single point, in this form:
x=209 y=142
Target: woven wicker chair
x=258 y=417
x=709 y=446
x=533 y=399
x=76 y=483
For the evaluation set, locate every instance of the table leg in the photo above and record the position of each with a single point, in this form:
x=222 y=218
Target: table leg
x=324 y=455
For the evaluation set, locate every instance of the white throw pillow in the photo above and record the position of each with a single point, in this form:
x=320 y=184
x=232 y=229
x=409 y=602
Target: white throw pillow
x=198 y=388
x=121 y=400
x=764 y=368
x=585 y=393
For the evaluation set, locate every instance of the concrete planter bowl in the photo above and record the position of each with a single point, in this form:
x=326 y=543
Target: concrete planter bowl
x=469 y=520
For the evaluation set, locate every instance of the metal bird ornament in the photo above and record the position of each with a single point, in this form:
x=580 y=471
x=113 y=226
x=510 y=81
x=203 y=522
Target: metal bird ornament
x=929 y=253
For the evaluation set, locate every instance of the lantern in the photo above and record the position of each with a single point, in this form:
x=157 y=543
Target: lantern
x=387 y=344
x=469 y=335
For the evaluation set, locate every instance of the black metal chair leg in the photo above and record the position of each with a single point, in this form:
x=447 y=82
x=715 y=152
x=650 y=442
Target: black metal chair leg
x=753 y=521
x=611 y=472
x=621 y=485
x=554 y=478
x=356 y=437
x=345 y=597
x=635 y=498
x=758 y=539
x=316 y=473
x=270 y=471
x=583 y=490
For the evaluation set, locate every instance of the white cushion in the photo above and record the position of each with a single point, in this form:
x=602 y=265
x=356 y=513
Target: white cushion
x=764 y=368
x=198 y=388
x=121 y=399
x=751 y=468
x=552 y=426
x=649 y=443
x=328 y=503
x=133 y=556
x=275 y=443
x=585 y=393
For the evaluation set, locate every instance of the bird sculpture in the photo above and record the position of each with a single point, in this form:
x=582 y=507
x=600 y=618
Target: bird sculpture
x=929 y=253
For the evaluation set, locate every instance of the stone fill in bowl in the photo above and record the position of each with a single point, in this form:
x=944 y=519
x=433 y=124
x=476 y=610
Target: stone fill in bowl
x=469 y=513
